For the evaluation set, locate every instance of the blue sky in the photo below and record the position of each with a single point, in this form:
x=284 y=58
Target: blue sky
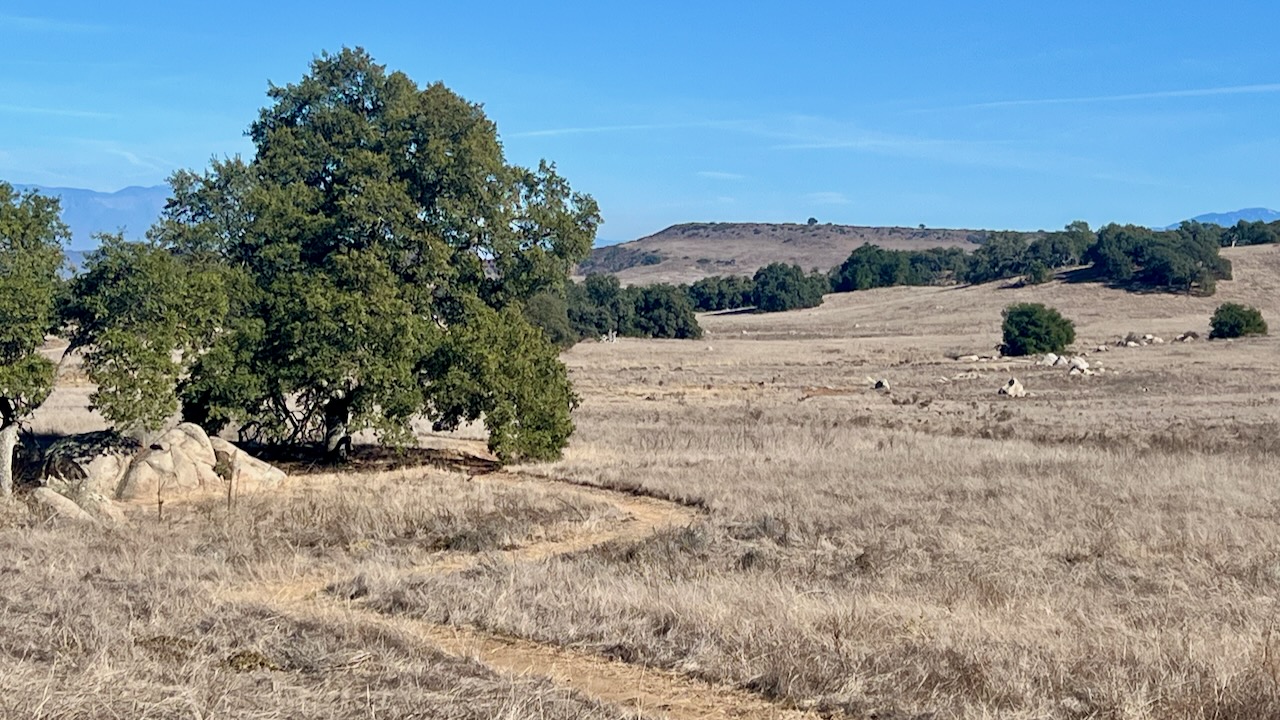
x=980 y=114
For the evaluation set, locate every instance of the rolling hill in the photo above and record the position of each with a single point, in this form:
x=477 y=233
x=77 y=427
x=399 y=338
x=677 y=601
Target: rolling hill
x=691 y=251
x=1227 y=219
x=87 y=212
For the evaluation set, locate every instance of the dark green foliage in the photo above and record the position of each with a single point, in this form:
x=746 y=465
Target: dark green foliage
x=1037 y=273
x=871 y=266
x=780 y=287
x=497 y=367
x=722 y=292
x=1003 y=255
x=549 y=312
x=664 y=311
x=31 y=239
x=601 y=305
x=1246 y=233
x=1184 y=260
x=371 y=264
x=1232 y=320
x=1032 y=328
x=133 y=309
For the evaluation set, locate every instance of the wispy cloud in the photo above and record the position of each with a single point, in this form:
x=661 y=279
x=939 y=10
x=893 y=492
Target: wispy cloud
x=600 y=129
x=1127 y=97
x=153 y=164
x=826 y=198
x=58 y=112
x=719 y=175
x=28 y=23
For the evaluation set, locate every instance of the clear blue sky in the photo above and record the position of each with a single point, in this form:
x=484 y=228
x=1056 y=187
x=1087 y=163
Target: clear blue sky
x=978 y=114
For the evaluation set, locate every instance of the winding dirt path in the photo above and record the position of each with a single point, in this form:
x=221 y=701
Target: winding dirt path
x=656 y=692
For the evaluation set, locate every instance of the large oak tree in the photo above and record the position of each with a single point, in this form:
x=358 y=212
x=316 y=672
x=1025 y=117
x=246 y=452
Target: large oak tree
x=366 y=267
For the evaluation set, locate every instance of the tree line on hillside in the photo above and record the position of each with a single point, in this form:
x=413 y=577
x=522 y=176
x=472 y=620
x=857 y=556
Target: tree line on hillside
x=600 y=305
x=1129 y=256
x=371 y=264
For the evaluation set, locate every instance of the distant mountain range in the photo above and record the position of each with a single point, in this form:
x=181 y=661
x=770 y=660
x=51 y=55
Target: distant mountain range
x=87 y=212
x=1228 y=219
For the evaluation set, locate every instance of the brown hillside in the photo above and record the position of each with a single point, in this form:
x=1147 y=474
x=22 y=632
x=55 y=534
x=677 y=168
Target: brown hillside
x=688 y=252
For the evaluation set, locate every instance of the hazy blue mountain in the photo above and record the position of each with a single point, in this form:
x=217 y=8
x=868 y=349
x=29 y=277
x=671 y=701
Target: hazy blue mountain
x=1228 y=219
x=131 y=211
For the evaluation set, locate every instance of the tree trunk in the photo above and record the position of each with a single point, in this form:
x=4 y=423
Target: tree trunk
x=8 y=441
x=337 y=443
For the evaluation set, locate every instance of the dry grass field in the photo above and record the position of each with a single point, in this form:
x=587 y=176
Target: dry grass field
x=741 y=527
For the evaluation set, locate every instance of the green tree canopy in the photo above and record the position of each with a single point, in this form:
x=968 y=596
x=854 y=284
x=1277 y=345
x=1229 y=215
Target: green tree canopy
x=780 y=287
x=373 y=258
x=1233 y=320
x=31 y=239
x=1031 y=328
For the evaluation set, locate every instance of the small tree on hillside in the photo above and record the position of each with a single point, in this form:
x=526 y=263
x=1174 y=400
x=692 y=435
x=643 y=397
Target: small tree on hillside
x=1032 y=328
x=1232 y=320
x=31 y=238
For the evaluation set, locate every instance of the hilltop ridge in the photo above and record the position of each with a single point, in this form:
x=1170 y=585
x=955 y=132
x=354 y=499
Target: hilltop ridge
x=691 y=251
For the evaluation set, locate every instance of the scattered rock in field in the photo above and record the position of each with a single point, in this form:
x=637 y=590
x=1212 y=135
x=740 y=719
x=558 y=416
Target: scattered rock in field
x=55 y=506
x=1132 y=344
x=1049 y=359
x=248 y=472
x=1013 y=389
x=1062 y=361
x=92 y=463
x=1157 y=340
x=1188 y=336
x=1078 y=363
x=181 y=461
x=881 y=384
x=1102 y=348
x=967 y=358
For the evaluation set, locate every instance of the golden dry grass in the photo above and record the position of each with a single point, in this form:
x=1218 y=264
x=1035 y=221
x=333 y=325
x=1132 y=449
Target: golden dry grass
x=1105 y=548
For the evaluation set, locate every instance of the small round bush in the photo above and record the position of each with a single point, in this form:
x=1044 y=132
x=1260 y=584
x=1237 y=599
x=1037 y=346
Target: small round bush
x=1032 y=328
x=1232 y=320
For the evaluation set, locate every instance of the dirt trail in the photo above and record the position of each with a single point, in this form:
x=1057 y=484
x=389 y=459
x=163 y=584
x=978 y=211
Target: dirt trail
x=660 y=693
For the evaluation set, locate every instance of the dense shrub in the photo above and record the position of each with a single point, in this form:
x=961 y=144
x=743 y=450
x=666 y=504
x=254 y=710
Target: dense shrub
x=1232 y=320
x=601 y=305
x=1032 y=328
x=664 y=311
x=721 y=292
x=550 y=312
x=780 y=287
x=871 y=266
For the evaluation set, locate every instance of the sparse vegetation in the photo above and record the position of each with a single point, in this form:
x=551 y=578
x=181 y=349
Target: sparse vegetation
x=1232 y=320
x=1032 y=328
